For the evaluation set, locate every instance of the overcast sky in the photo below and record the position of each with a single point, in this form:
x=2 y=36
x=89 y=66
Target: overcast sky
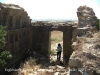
x=55 y=9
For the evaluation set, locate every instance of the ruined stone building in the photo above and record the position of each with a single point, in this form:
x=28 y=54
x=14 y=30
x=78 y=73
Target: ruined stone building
x=86 y=17
x=23 y=36
x=42 y=33
x=87 y=21
x=18 y=29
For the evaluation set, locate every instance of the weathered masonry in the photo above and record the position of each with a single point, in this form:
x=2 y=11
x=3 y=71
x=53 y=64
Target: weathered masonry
x=22 y=35
x=41 y=37
x=18 y=30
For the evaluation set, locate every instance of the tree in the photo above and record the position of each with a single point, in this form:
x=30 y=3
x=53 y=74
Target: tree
x=5 y=54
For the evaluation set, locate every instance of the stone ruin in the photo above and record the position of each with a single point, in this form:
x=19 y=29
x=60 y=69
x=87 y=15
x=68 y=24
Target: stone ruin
x=87 y=21
x=41 y=37
x=86 y=17
x=18 y=30
x=22 y=35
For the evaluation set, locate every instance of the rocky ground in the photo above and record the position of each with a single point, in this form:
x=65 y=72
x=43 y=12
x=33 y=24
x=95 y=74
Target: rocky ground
x=39 y=66
x=87 y=49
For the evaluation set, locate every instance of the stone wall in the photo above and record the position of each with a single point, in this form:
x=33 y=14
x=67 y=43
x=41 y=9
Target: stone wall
x=41 y=38
x=87 y=21
x=86 y=17
x=19 y=38
x=23 y=36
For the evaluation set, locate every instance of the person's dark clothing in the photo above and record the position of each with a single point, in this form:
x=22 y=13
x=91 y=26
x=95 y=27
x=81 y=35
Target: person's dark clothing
x=59 y=50
x=58 y=55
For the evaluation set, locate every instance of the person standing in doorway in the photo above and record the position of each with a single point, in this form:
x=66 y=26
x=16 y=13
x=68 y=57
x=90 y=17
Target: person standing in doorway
x=59 y=50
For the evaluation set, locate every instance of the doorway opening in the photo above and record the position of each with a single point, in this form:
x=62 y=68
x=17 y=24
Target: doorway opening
x=55 y=38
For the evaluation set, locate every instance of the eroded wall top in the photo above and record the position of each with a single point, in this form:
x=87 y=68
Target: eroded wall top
x=14 y=16
x=86 y=17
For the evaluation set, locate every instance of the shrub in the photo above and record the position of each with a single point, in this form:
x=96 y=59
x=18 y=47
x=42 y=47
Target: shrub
x=52 y=51
x=4 y=55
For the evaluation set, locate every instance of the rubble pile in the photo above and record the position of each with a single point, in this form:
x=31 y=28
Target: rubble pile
x=88 y=50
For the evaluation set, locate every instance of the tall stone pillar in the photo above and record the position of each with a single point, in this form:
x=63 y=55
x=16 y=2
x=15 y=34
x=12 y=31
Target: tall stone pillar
x=67 y=49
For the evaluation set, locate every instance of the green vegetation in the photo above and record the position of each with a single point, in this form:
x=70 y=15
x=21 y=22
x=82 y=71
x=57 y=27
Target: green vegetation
x=53 y=39
x=52 y=51
x=32 y=60
x=4 y=54
x=56 y=39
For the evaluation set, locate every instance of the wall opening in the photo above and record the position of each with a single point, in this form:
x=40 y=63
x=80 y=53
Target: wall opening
x=55 y=38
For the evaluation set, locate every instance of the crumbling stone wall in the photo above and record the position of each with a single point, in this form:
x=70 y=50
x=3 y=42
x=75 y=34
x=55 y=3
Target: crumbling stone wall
x=87 y=21
x=23 y=36
x=18 y=29
x=41 y=38
x=13 y=16
x=86 y=17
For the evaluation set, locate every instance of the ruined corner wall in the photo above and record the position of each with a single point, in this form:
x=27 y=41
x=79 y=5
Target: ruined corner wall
x=14 y=17
x=18 y=29
x=87 y=18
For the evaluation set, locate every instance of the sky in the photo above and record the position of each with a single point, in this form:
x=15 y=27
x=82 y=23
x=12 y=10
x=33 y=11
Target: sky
x=55 y=9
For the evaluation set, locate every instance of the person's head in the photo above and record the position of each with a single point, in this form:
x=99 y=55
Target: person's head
x=59 y=44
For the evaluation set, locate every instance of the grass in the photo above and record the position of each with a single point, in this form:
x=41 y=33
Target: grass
x=52 y=51
x=28 y=67
x=56 y=36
